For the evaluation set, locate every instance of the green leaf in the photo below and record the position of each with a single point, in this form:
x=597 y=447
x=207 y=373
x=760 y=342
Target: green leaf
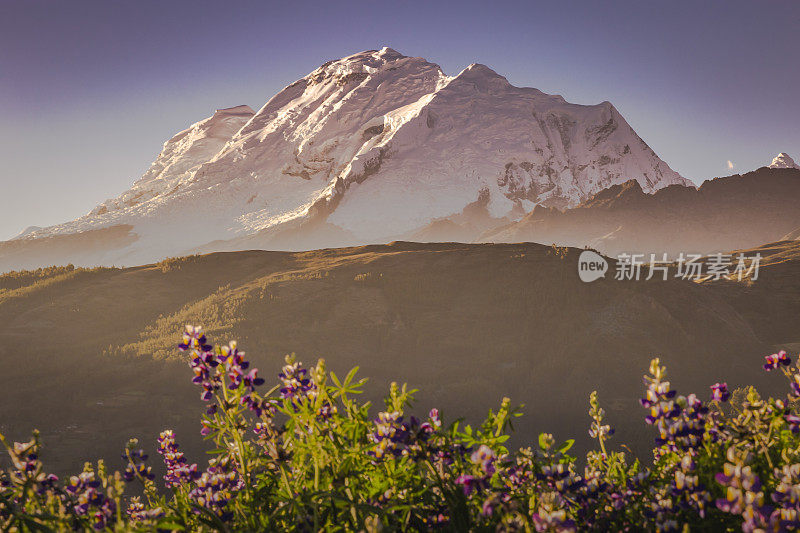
x=543 y=441
x=566 y=446
x=173 y=526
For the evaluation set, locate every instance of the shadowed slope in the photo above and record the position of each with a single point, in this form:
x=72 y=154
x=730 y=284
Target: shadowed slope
x=723 y=214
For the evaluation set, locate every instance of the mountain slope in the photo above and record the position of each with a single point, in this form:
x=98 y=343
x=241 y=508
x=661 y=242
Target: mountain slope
x=180 y=157
x=467 y=324
x=365 y=149
x=739 y=211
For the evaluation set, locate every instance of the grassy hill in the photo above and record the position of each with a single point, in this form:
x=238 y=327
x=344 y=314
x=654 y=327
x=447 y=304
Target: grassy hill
x=88 y=355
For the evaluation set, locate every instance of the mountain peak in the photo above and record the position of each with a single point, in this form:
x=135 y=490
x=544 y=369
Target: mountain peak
x=482 y=77
x=389 y=52
x=479 y=69
x=370 y=147
x=783 y=160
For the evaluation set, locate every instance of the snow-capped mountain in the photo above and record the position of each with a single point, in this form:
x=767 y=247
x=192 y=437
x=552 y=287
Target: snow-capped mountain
x=371 y=148
x=783 y=160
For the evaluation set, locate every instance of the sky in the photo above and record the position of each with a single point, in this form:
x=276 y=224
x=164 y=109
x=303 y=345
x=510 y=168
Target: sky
x=90 y=90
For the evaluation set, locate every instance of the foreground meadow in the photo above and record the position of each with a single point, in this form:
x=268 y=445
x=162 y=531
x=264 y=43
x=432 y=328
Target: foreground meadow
x=307 y=455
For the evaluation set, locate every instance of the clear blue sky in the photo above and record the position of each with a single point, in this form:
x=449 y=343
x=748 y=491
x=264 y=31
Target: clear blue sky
x=89 y=90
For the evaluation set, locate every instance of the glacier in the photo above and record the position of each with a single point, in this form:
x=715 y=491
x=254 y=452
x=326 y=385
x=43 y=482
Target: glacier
x=368 y=149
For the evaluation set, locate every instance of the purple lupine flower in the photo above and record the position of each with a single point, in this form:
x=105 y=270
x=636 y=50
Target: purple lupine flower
x=235 y=365
x=795 y=385
x=786 y=516
x=560 y=477
x=136 y=466
x=27 y=466
x=178 y=471
x=214 y=489
x=551 y=515
x=794 y=423
x=194 y=339
x=681 y=421
x=743 y=495
x=433 y=423
x=489 y=504
x=251 y=380
x=687 y=487
x=719 y=392
x=390 y=435
x=203 y=365
x=296 y=383
x=89 y=500
x=597 y=429
x=326 y=411
x=776 y=360
x=468 y=483
x=139 y=513
x=485 y=458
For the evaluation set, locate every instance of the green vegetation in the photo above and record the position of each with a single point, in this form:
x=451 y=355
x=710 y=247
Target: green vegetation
x=307 y=455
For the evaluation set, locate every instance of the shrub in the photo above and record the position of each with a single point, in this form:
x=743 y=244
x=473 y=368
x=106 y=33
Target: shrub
x=307 y=455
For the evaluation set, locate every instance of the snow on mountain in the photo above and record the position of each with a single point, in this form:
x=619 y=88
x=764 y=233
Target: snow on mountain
x=27 y=231
x=378 y=145
x=181 y=155
x=782 y=160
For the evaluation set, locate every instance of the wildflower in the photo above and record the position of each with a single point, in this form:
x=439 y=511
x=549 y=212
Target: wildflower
x=777 y=360
x=560 y=477
x=139 y=513
x=794 y=422
x=203 y=366
x=494 y=504
x=136 y=466
x=681 y=421
x=214 y=489
x=326 y=411
x=468 y=483
x=743 y=494
x=687 y=487
x=390 y=435
x=786 y=516
x=296 y=383
x=89 y=500
x=520 y=472
x=551 y=514
x=719 y=392
x=27 y=466
x=484 y=457
x=794 y=383
x=600 y=430
x=235 y=365
x=433 y=423
x=193 y=338
x=597 y=430
x=178 y=471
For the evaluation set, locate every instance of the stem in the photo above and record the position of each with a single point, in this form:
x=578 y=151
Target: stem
x=234 y=430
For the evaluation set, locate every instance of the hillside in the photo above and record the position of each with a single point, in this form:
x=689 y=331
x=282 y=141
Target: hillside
x=89 y=358
x=739 y=211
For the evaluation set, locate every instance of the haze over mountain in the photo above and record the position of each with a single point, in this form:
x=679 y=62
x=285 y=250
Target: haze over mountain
x=739 y=211
x=363 y=149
